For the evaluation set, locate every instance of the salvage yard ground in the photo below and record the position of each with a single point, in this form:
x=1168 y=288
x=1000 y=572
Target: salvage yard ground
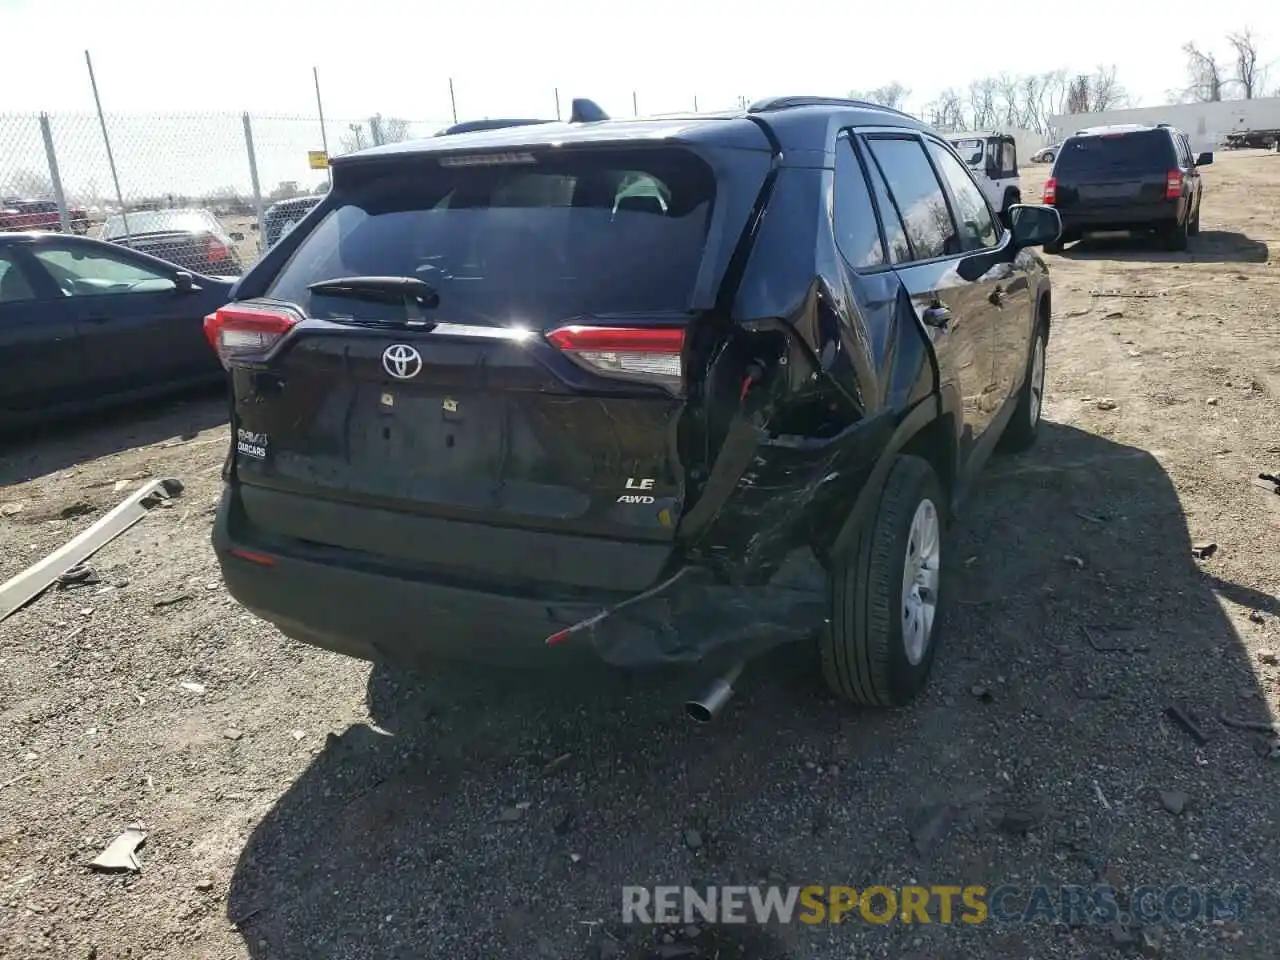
x=300 y=805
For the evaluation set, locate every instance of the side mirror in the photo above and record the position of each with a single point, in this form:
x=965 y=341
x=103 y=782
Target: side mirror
x=184 y=282
x=1034 y=225
x=1204 y=159
x=236 y=235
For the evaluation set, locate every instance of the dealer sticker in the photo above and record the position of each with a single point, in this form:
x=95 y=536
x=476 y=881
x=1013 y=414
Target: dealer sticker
x=251 y=444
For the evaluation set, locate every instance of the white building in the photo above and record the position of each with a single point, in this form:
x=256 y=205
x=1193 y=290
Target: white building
x=1205 y=124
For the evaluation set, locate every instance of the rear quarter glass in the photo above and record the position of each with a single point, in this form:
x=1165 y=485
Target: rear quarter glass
x=533 y=243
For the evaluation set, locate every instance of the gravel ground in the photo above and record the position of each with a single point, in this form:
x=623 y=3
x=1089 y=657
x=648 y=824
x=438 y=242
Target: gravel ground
x=300 y=805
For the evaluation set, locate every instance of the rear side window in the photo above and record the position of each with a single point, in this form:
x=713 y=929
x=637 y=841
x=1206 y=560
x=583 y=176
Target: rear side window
x=1140 y=150
x=854 y=218
x=572 y=234
x=919 y=196
x=894 y=231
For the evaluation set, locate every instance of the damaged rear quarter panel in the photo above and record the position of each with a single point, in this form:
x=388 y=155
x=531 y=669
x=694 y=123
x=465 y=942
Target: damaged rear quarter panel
x=820 y=368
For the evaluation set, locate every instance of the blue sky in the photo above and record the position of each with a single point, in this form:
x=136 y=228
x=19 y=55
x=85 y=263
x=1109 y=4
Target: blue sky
x=395 y=56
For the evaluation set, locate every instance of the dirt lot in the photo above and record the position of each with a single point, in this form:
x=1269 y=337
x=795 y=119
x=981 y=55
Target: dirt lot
x=306 y=806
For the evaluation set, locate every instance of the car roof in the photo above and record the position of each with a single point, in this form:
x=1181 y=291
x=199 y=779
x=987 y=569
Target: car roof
x=794 y=123
x=1117 y=129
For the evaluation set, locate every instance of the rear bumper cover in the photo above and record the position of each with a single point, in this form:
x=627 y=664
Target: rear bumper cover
x=342 y=602
x=1136 y=216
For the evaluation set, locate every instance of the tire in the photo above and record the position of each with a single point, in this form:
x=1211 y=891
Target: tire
x=864 y=650
x=1049 y=157
x=1175 y=237
x=1024 y=427
x=1193 y=228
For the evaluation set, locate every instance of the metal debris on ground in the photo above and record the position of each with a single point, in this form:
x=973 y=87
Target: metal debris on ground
x=119 y=855
x=1269 y=482
x=1203 y=551
x=192 y=687
x=1187 y=722
x=33 y=581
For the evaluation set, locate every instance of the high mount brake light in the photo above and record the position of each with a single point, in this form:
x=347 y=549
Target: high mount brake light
x=647 y=354
x=240 y=330
x=1050 y=190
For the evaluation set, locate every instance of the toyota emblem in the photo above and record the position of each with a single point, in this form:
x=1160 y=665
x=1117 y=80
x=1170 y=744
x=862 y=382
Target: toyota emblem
x=402 y=361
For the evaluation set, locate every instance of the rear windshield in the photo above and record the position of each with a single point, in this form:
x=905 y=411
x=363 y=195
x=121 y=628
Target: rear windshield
x=160 y=221
x=1139 y=150
x=539 y=240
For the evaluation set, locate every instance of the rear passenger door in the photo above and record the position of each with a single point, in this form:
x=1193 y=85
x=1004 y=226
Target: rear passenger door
x=926 y=249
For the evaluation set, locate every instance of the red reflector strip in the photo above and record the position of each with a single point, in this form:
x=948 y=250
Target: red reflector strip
x=261 y=559
x=619 y=339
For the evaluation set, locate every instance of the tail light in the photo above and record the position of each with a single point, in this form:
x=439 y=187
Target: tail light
x=1173 y=185
x=215 y=250
x=240 y=330
x=1050 y=190
x=646 y=354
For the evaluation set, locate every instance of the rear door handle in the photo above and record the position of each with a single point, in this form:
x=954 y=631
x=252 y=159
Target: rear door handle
x=936 y=316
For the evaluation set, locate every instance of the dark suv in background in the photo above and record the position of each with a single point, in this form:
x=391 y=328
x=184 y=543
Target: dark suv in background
x=657 y=390
x=1127 y=177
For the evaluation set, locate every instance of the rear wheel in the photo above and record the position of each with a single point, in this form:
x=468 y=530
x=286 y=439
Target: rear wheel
x=1193 y=228
x=879 y=646
x=1048 y=157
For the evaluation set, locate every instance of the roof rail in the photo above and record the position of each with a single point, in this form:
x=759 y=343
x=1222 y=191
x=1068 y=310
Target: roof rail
x=785 y=103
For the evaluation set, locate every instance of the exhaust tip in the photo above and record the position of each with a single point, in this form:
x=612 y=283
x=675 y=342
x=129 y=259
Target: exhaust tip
x=698 y=712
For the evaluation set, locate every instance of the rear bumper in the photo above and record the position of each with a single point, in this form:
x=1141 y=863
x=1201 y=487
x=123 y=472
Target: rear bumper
x=1136 y=216
x=351 y=604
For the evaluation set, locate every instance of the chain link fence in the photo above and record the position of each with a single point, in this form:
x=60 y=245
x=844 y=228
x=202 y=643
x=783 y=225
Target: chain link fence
x=106 y=175
x=74 y=172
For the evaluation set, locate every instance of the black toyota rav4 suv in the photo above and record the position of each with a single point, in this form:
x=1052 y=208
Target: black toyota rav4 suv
x=630 y=388
x=1127 y=177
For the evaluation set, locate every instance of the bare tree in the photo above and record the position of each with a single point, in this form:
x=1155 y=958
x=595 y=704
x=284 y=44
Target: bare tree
x=1106 y=93
x=947 y=112
x=892 y=95
x=1204 y=74
x=982 y=103
x=1249 y=76
x=1079 y=96
x=1011 y=107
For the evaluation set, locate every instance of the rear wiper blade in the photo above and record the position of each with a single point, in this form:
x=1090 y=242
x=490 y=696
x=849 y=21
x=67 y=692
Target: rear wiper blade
x=406 y=290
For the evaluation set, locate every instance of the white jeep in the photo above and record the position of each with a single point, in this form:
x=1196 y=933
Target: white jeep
x=993 y=158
